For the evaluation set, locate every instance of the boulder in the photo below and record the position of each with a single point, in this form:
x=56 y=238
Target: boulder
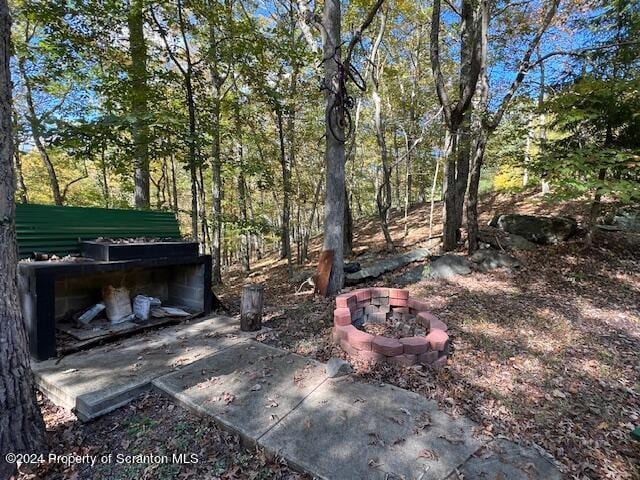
x=337 y=367
x=496 y=238
x=489 y=259
x=544 y=230
x=448 y=266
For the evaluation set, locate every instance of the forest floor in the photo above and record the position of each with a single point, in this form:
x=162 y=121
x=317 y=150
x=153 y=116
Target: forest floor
x=151 y=425
x=547 y=354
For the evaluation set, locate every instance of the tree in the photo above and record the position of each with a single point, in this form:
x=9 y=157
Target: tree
x=139 y=110
x=21 y=425
x=487 y=120
x=473 y=19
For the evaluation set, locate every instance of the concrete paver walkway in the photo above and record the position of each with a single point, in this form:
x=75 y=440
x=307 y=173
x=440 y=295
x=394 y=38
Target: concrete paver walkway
x=338 y=429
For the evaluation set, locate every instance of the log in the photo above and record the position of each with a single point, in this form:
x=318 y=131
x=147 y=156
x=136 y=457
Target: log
x=251 y=307
x=321 y=278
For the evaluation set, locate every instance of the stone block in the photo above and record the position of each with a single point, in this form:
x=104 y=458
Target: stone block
x=400 y=309
x=399 y=302
x=346 y=346
x=371 y=309
x=364 y=294
x=387 y=346
x=415 y=345
x=428 y=358
x=360 y=340
x=369 y=356
x=418 y=305
x=379 y=292
x=404 y=360
x=399 y=293
x=425 y=318
x=346 y=300
x=342 y=316
x=378 y=317
x=437 y=340
x=342 y=332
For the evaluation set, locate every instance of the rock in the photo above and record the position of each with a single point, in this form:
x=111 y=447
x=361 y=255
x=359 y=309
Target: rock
x=489 y=259
x=386 y=264
x=413 y=275
x=542 y=230
x=498 y=239
x=352 y=267
x=448 y=266
x=627 y=220
x=337 y=367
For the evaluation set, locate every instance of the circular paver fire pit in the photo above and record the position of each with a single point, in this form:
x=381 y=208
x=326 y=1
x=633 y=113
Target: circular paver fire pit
x=356 y=310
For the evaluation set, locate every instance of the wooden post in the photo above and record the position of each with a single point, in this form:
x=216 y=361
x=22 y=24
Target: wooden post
x=251 y=307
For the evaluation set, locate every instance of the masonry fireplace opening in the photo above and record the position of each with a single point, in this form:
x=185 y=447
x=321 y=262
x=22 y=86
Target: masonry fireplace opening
x=54 y=294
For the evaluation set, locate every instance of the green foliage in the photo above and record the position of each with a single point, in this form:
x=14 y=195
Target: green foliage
x=597 y=141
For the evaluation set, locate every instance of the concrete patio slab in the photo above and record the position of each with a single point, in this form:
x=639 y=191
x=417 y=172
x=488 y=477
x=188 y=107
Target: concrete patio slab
x=96 y=381
x=348 y=429
x=248 y=388
x=504 y=459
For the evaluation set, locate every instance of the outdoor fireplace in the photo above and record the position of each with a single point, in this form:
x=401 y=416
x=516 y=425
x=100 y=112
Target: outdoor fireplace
x=54 y=292
x=386 y=325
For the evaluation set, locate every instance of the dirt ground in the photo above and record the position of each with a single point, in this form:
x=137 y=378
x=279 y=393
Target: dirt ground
x=548 y=354
x=152 y=425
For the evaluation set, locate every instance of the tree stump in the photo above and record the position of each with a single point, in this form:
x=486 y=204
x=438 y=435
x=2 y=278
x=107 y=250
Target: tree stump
x=251 y=308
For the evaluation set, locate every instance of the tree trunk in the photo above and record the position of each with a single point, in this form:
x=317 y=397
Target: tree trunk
x=474 y=184
x=21 y=425
x=251 y=308
x=285 y=162
x=334 y=151
x=138 y=79
x=348 y=225
x=36 y=133
x=22 y=187
x=216 y=195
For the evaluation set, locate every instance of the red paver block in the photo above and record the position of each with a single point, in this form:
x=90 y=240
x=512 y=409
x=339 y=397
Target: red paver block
x=399 y=302
x=387 y=346
x=378 y=292
x=399 y=293
x=404 y=360
x=418 y=305
x=437 y=324
x=346 y=346
x=342 y=316
x=369 y=356
x=438 y=339
x=363 y=294
x=346 y=300
x=428 y=358
x=342 y=332
x=426 y=318
x=415 y=345
x=360 y=340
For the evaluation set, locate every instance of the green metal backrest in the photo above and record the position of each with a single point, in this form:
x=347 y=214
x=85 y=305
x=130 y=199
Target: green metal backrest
x=53 y=229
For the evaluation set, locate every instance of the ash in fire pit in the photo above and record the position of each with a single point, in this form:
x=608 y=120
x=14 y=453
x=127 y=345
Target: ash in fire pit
x=384 y=324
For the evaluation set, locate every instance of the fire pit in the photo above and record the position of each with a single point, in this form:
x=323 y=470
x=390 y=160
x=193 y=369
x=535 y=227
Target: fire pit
x=386 y=325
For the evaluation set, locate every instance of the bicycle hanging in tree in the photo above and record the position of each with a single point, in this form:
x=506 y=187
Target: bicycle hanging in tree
x=339 y=115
